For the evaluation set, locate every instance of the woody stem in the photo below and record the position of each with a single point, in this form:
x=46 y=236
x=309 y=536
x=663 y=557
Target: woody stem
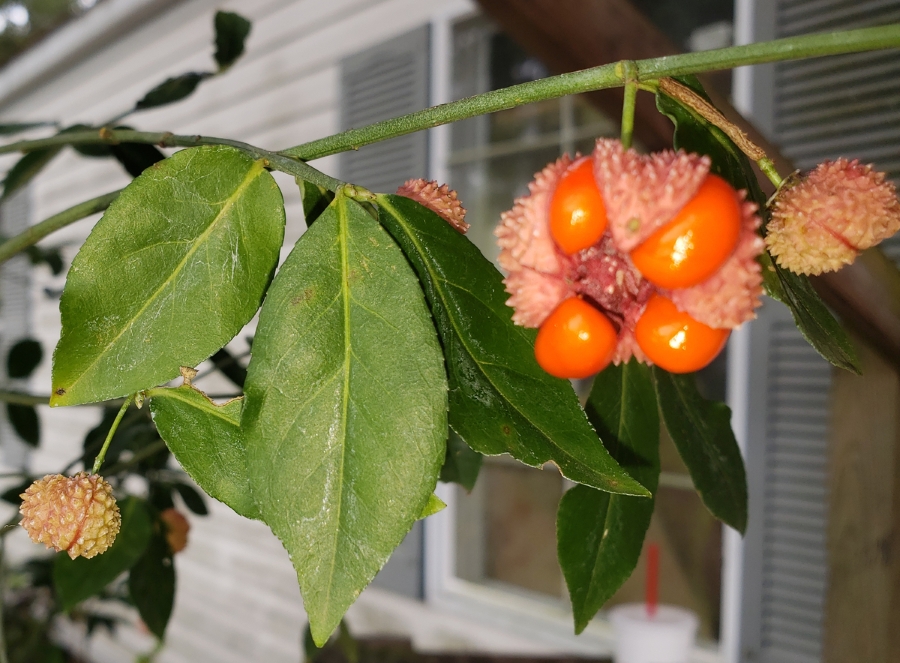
x=112 y=431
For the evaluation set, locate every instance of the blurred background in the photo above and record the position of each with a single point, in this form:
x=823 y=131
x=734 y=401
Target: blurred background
x=816 y=578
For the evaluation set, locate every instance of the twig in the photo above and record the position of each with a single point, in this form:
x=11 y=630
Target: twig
x=37 y=232
x=598 y=78
x=711 y=114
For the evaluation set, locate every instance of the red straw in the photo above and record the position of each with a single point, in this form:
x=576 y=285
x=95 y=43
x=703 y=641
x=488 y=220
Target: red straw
x=652 y=588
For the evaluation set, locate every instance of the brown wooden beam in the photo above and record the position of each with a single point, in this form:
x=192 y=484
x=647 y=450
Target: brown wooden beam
x=576 y=34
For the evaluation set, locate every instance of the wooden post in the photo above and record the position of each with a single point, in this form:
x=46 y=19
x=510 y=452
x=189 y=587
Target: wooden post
x=864 y=514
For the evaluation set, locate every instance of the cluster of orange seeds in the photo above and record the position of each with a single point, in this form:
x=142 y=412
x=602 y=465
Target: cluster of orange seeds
x=619 y=255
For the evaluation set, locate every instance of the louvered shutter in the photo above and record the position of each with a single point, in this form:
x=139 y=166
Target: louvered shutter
x=15 y=316
x=840 y=106
x=785 y=564
x=388 y=80
x=379 y=83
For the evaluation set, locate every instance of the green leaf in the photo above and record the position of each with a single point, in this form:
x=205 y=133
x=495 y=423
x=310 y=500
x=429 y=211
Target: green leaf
x=172 y=90
x=701 y=431
x=205 y=439
x=347 y=643
x=345 y=418
x=136 y=157
x=78 y=579
x=461 y=464
x=23 y=358
x=501 y=401
x=51 y=257
x=599 y=535
x=815 y=322
x=174 y=269
x=151 y=584
x=433 y=505
x=818 y=326
x=315 y=199
x=9 y=128
x=26 y=169
x=24 y=420
x=192 y=499
x=231 y=33
x=13 y=495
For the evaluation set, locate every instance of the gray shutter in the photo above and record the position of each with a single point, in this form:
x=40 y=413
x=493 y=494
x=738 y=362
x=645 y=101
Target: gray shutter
x=379 y=83
x=15 y=316
x=785 y=564
x=846 y=105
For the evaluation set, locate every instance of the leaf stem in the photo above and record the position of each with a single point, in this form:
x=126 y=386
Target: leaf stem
x=35 y=233
x=768 y=168
x=22 y=398
x=167 y=139
x=98 y=461
x=605 y=76
x=631 y=90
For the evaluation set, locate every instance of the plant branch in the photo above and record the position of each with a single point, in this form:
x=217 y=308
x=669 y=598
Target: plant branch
x=167 y=139
x=37 y=232
x=98 y=461
x=605 y=76
x=22 y=398
x=628 y=105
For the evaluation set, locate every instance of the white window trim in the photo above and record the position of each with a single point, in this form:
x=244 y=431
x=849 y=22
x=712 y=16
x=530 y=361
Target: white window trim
x=548 y=623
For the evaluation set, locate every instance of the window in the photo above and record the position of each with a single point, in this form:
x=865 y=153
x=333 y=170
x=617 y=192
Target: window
x=499 y=541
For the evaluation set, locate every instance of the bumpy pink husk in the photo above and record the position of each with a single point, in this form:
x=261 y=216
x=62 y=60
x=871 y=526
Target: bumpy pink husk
x=641 y=194
x=824 y=221
x=442 y=200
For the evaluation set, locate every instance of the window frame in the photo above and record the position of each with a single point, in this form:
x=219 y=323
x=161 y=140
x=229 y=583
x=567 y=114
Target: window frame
x=546 y=623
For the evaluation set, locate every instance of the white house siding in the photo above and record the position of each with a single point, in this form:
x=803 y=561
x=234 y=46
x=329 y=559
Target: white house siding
x=237 y=597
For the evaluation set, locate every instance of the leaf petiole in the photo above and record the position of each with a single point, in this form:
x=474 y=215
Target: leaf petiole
x=112 y=431
x=631 y=90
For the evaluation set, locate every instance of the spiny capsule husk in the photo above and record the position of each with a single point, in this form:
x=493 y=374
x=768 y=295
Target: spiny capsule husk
x=641 y=194
x=824 y=221
x=442 y=200
x=76 y=514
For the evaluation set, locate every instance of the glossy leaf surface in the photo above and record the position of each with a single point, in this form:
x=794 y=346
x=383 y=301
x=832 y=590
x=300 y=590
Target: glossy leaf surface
x=600 y=535
x=79 y=579
x=501 y=401
x=346 y=406
x=231 y=33
x=818 y=326
x=174 y=269
x=701 y=431
x=151 y=584
x=205 y=439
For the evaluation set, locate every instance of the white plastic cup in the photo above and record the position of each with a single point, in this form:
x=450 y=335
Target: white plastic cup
x=666 y=637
